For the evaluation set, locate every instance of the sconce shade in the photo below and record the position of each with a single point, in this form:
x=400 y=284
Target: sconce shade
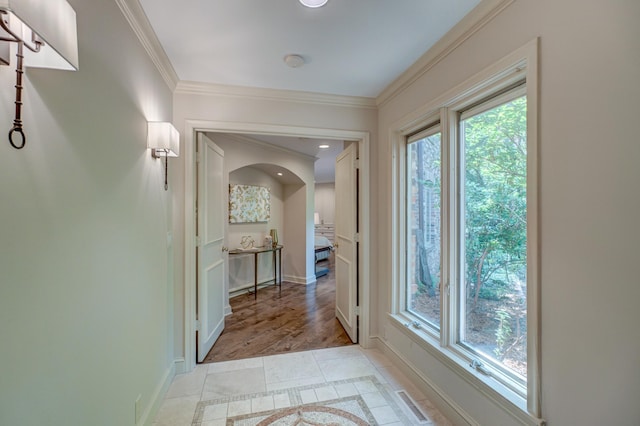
x=316 y=218
x=163 y=139
x=54 y=21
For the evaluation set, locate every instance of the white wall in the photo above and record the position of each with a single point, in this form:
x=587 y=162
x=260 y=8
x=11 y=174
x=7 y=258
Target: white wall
x=298 y=254
x=241 y=272
x=589 y=174
x=86 y=297
x=325 y=198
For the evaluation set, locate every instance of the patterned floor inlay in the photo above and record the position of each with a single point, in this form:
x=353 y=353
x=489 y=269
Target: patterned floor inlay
x=352 y=402
x=348 y=411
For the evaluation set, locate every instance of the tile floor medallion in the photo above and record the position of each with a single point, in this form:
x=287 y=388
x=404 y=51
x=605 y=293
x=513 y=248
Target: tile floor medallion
x=348 y=386
x=319 y=404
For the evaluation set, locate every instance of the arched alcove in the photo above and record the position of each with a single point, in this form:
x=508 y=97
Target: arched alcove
x=288 y=204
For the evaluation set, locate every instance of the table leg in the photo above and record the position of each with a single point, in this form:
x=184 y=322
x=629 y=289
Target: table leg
x=280 y=269
x=255 y=276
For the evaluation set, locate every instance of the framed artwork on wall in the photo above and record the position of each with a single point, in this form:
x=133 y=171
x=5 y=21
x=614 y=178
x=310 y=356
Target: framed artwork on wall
x=249 y=204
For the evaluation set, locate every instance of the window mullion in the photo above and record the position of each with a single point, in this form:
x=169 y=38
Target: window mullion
x=448 y=194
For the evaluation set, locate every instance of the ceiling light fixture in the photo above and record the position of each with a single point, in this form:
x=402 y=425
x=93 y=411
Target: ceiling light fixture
x=323 y=146
x=314 y=3
x=279 y=173
x=294 y=61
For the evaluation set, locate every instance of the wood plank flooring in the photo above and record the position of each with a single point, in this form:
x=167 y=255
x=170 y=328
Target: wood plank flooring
x=301 y=318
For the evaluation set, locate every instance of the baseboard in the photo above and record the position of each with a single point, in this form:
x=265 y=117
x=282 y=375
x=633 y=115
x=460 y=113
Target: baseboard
x=227 y=310
x=456 y=414
x=158 y=395
x=300 y=280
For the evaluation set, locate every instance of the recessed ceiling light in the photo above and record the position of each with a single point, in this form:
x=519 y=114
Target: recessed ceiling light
x=314 y=3
x=323 y=146
x=279 y=173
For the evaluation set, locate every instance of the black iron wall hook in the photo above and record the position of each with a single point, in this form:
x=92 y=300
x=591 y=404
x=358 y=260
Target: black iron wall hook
x=17 y=122
x=37 y=44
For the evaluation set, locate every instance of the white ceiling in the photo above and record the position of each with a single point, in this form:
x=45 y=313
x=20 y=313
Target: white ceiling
x=351 y=47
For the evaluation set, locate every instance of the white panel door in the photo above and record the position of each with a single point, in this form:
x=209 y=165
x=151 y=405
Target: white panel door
x=211 y=266
x=346 y=257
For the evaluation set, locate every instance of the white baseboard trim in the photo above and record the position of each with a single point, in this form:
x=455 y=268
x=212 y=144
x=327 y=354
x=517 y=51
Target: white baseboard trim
x=300 y=280
x=158 y=395
x=227 y=310
x=456 y=414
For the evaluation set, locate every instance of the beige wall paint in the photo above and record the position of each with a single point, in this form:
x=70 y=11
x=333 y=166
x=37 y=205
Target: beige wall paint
x=325 y=198
x=588 y=178
x=85 y=300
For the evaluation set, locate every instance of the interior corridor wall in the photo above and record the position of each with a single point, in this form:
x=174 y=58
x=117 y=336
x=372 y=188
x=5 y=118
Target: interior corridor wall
x=86 y=294
x=588 y=195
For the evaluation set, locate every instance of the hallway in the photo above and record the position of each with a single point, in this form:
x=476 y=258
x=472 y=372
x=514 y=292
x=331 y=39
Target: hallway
x=244 y=392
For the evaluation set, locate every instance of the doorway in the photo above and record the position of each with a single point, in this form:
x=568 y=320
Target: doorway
x=191 y=130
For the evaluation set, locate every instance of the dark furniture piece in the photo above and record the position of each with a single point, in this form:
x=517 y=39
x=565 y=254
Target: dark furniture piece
x=321 y=270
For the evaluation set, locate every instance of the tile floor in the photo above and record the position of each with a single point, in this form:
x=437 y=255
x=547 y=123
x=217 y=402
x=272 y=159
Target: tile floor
x=214 y=392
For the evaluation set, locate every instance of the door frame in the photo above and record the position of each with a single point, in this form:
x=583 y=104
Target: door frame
x=192 y=127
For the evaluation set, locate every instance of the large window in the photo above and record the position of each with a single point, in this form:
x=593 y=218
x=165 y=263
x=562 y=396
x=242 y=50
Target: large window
x=493 y=226
x=469 y=201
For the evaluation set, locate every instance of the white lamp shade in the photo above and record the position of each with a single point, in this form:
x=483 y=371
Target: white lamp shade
x=164 y=139
x=54 y=21
x=316 y=218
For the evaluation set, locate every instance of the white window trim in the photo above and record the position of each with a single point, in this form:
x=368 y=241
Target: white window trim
x=442 y=345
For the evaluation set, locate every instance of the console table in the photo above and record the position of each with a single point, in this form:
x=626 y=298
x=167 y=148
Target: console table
x=277 y=264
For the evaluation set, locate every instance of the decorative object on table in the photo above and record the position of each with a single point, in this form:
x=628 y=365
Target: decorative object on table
x=249 y=204
x=247 y=242
x=268 y=241
x=274 y=237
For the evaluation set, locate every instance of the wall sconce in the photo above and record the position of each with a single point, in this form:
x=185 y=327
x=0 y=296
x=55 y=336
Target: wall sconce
x=47 y=28
x=164 y=141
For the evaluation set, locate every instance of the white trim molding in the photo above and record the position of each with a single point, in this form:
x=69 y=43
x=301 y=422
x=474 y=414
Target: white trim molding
x=137 y=19
x=149 y=413
x=299 y=280
x=258 y=93
x=480 y=16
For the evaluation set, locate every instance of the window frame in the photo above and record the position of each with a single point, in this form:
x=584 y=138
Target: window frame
x=445 y=111
x=431 y=129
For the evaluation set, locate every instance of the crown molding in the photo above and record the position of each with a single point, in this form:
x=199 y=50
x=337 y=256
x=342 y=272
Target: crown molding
x=133 y=12
x=211 y=89
x=268 y=146
x=480 y=16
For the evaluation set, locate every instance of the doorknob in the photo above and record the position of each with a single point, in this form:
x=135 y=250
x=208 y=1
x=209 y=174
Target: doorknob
x=225 y=249
x=336 y=245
